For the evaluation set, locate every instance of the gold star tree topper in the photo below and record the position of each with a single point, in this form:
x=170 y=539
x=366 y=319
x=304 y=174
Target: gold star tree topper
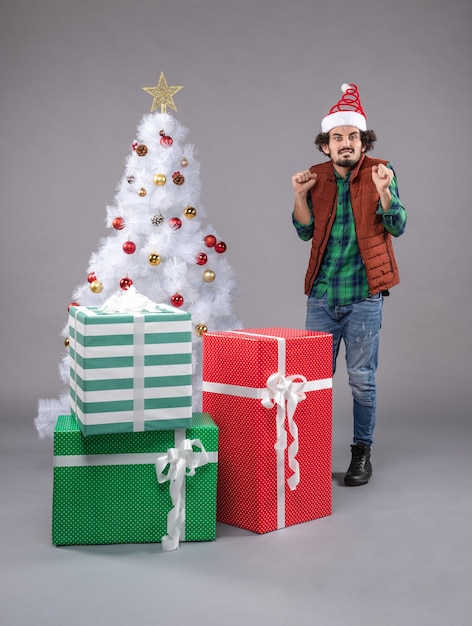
x=162 y=94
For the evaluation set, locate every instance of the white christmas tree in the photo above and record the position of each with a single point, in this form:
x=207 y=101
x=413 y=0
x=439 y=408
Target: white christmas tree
x=161 y=242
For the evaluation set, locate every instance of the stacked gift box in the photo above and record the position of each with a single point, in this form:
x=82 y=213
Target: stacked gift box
x=133 y=464
x=116 y=488
x=130 y=371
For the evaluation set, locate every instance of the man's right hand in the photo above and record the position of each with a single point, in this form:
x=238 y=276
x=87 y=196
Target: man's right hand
x=302 y=182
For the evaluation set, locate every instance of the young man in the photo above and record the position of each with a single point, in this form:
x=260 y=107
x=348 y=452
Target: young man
x=350 y=208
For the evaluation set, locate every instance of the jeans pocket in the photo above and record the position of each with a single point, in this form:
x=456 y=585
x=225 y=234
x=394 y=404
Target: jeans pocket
x=376 y=298
x=315 y=303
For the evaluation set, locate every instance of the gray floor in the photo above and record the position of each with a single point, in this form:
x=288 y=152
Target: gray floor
x=394 y=553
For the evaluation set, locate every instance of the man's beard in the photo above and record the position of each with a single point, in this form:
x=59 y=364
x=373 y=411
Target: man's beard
x=348 y=160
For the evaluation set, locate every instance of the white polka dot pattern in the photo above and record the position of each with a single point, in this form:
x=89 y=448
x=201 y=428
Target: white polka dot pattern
x=247 y=472
x=107 y=504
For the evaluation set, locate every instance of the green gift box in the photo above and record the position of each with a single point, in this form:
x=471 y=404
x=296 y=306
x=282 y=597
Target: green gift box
x=141 y=487
x=130 y=371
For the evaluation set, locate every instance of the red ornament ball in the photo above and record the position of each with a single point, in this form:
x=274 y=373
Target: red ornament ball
x=177 y=300
x=220 y=247
x=125 y=283
x=201 y=258
x=118 y=223
x=175 y=223
x=166 y=141
x=91 y=277
x=210 y=241
x=129 y=247
x=72 y=304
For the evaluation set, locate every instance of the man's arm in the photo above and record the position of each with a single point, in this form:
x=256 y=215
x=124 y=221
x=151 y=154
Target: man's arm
x=382 y=177
x=302 y=182
x=390 y=208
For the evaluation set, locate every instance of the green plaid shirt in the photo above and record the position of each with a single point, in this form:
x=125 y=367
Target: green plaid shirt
x=342 y=274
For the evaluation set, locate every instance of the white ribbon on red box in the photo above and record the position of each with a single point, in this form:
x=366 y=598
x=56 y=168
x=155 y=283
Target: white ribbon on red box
x=281 y=391
x=285 y=393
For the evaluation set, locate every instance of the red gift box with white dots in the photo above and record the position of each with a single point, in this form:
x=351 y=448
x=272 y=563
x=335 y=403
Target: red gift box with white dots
x=253 y=491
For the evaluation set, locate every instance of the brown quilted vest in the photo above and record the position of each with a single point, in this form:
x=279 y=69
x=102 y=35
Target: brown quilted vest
x=375 y=243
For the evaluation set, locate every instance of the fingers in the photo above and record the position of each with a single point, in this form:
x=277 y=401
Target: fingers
x=304 y=177
x=382 y=172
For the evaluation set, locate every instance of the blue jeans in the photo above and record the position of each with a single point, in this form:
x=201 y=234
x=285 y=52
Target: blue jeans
x=359 y=326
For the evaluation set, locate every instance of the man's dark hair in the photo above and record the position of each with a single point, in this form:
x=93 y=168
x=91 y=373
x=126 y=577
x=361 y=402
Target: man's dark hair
x=368 y=138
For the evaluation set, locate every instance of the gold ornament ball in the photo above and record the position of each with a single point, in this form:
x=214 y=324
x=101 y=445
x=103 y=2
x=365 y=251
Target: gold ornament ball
x=190 y=212
x=154 y=258
x=66 y=342
x=159 y=179
x=96 y=286
x=142 y=192
x=208 y=276
x=201 y=329
x=184 y=162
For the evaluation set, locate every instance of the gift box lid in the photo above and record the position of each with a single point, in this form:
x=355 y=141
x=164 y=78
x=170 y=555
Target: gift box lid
x=95 y=315
x=69 y=440
x=248 y=357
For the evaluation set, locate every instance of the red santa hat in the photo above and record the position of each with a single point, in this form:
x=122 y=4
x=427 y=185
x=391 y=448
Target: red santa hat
x=347 y=112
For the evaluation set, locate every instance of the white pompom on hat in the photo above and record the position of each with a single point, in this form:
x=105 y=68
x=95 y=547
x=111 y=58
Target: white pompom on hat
x=347 y=112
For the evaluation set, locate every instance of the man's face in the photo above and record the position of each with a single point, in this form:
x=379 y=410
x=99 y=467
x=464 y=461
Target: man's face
x=345 y=147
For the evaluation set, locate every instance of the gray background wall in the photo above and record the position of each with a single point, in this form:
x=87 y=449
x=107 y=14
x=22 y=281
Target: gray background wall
x=258 y=76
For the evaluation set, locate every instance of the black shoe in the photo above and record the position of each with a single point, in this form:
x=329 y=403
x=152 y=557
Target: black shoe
x=360 y=469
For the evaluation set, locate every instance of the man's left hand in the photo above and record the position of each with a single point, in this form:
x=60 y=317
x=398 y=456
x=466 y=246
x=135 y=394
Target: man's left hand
x=382 y=177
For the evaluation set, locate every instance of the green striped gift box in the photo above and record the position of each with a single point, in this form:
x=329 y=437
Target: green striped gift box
x=130 y=372
x=106 y=491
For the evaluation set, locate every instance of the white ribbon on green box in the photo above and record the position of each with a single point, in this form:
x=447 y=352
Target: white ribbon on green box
x=182 y=460
x=130 y=370
x=284 y=392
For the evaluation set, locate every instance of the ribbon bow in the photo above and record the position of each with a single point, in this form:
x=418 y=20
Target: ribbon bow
x=182 y=462
x=281 y=390
x=129 y=301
